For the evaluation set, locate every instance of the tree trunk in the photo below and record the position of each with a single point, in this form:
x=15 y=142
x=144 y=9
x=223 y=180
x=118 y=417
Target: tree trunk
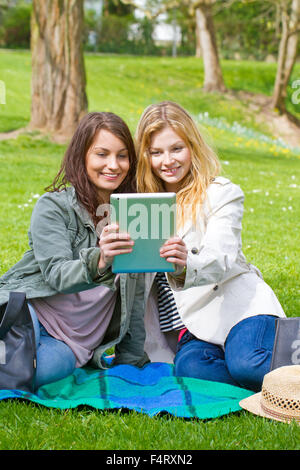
x=58 y=75
x=213 y=78
x=198 y=41
x=105 y=8
x=287 y=55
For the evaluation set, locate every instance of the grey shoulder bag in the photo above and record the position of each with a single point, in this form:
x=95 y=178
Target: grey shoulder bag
x=17 y=345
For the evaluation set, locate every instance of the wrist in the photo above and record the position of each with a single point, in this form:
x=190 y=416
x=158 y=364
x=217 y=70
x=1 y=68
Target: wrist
x=101 y=272
x=102 y=266
x=181 y=272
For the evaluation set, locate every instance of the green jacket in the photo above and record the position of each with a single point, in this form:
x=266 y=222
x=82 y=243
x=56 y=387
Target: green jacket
x=63 y=258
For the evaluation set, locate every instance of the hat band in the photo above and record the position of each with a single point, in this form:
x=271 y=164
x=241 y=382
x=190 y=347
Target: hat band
x=279 y=415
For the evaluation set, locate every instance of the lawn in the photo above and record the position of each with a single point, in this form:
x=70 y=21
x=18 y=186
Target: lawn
x=269 y=175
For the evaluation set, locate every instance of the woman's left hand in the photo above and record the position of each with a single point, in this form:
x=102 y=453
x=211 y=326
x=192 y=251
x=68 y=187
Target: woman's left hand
x=175 y=251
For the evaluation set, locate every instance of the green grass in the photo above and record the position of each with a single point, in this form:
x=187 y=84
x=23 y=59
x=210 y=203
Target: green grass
x=29 y=427
x=126 y=84
x=269 y=176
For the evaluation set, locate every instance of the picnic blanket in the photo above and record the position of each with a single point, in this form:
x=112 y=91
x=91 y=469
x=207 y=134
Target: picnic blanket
x=152 y=389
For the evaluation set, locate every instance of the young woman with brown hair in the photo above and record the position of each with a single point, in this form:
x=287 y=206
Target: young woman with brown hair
x=74 y=300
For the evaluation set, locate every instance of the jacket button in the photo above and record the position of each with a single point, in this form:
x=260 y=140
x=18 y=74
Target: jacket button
x=194 y=250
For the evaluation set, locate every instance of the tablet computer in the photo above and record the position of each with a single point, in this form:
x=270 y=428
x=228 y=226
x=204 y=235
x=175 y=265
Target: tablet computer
x=150 y=219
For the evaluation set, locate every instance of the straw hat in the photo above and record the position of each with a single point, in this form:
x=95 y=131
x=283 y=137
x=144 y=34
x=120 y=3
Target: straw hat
x=279 y=398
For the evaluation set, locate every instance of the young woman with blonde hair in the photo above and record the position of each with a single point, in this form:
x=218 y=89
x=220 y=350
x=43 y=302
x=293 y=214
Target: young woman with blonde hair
x=223 y=310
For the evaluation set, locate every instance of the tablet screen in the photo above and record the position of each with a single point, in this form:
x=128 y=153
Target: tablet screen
x=150 y=219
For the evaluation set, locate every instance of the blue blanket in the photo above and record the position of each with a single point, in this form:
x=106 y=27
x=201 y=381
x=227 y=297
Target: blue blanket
x=151 y=390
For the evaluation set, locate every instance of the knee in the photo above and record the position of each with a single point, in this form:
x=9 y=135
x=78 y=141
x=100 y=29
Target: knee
x=200 y=360
x=186 y=363
x=249 y=372
x=55 y=361
x=240 y=370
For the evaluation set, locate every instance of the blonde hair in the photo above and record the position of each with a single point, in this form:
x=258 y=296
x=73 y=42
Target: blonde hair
x=205 y=165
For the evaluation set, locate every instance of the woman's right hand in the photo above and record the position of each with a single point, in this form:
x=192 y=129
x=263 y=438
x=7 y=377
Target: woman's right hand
x=112 y=243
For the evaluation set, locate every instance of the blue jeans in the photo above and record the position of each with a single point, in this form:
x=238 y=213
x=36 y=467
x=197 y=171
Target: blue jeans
x=243 y=362
x=55 y=359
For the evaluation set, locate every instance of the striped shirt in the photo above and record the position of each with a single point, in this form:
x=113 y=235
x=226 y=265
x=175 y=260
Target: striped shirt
x=168 y=314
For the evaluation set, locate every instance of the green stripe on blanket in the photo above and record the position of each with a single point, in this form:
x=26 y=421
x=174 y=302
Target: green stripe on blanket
x=150 y=390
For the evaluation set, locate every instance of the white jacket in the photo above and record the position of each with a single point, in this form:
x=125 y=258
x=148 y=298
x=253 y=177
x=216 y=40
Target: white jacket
x=220 y=287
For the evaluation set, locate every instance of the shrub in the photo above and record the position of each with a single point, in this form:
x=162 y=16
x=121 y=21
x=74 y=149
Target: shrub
x=15 y=26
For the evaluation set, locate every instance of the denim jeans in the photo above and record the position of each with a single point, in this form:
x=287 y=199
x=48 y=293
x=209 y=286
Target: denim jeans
x=243 y=362
x=55 y=359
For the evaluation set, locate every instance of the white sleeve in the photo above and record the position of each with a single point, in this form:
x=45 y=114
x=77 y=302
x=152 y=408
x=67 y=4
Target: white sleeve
x=215 y=252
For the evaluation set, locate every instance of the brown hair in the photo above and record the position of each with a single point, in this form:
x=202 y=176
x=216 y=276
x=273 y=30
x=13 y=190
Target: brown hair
x=73 y=167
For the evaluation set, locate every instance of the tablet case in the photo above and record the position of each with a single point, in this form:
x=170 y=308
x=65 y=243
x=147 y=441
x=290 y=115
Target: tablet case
x=286 y=350
x=150 y=219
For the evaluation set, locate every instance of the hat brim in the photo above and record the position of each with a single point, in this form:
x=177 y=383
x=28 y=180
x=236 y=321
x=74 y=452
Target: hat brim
x=252 y=404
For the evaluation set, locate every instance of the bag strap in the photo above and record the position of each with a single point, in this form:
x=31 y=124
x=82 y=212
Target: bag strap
x=13 y=308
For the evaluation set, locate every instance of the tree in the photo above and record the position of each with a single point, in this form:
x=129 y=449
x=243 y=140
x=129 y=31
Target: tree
x=58 y=75
x=288 y=28
x=202 y=10
x=153 y=8
x=15 y=24
x=290 y=20
x=116 y=7
x=213 y=77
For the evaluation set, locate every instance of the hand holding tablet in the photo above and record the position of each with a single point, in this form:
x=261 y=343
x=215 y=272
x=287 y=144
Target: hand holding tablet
x=112 y=243
x=174 y=251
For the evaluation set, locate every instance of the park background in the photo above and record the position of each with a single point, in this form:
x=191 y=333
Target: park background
x=234 y=65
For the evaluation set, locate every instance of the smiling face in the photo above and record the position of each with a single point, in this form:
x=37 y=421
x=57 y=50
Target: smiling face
x=107 y=163
x=170 y=158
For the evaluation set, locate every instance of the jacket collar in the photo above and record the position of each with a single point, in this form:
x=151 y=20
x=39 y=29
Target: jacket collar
x=82 y=213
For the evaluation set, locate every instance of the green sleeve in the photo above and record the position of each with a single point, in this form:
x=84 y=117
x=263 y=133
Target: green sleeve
x=53 y=251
